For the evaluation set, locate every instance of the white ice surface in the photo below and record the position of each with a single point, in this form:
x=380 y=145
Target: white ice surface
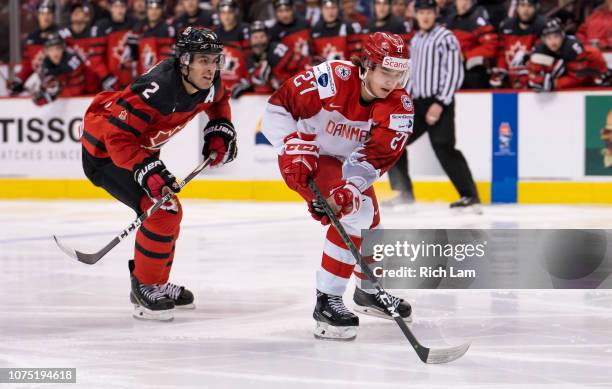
x=252 y=268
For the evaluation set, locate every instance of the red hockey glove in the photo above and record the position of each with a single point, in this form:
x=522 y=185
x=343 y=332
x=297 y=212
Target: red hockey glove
x=344 y=200
x=153 y=177
x=220 y=137
x=299 y=160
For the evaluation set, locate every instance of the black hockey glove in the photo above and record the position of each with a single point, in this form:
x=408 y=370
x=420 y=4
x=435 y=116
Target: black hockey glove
x=153 y=177
x=220 y=137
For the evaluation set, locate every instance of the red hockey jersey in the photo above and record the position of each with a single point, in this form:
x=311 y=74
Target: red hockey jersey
x=130 y=125
x=476 y=36
x=579 y=65
x=66 y=79
x=235 y=48
x=515 y=46
x=326 y=101
x=296 y=36
x=34 y=52
x=120 y=57
x=154 y=44
x=337 y=41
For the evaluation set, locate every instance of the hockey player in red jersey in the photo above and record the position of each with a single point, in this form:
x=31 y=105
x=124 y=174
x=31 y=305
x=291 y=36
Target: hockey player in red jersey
x=90 y=49
x=122 y=136
x=518 y=36
x=290 y=29
x=478 y=40
x=33 y=51
x=235 y=37
x=270 y=63
x=333 y=38
x=194 y=16
x=115 y=34
x=344 y=124
x=62 y=73
x=562 y=62
x=156 y=37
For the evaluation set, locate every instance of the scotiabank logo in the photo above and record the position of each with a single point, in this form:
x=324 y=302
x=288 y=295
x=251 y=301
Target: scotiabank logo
x=393 y=63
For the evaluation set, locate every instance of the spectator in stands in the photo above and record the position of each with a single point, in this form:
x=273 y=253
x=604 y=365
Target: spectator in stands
x=290 y=29
x=518 y=36
x=90 y=49
x=478 y=40
x=399 y=7
x=115 y=34
x=33 y=51
x=562 y=62
x=235 y=37
x=597 y=28
x=61 y=73
x=351 y=14
x=333 y=38
x=497 y=11
x=444 y=8
x=312 y=12
x=385 y=21
x=156 y=37
x=270 y=63
x=194 y=16
x=138 y=9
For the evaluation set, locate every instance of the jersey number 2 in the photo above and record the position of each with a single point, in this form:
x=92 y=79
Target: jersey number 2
x=154 y=88
x=306 y=77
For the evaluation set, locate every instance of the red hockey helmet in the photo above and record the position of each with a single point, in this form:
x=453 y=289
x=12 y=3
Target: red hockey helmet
x=389 y=51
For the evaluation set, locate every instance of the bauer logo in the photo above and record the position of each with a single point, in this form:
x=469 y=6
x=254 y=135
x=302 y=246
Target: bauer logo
x=323 y=80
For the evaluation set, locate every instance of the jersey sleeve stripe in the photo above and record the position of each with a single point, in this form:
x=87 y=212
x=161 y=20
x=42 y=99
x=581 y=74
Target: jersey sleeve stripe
x=134 y=111
x=123 y=126
x=93 y=141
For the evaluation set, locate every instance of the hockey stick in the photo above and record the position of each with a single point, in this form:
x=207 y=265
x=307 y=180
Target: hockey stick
x=427 y=355
x=90 y=259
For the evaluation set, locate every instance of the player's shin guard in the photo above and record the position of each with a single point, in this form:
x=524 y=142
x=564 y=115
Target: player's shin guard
x=155 y=241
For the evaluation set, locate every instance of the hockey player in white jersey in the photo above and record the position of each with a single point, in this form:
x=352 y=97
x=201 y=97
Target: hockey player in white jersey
x=344 y=124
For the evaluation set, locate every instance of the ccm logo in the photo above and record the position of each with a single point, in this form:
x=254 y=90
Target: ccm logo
x=395 y=63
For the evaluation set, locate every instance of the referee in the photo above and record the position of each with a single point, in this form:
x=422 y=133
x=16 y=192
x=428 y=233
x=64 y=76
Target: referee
x=436 y=73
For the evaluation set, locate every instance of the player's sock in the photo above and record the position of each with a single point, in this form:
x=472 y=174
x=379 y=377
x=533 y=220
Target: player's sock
x=182 y=297
x=150 y=301
x=370 y=304
x=334 y=320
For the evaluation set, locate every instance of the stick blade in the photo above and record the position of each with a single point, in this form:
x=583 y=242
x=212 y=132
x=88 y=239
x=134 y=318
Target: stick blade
x=89 y=259
x=444 y=355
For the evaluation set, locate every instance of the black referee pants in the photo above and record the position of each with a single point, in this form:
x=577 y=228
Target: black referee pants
x=442 y=138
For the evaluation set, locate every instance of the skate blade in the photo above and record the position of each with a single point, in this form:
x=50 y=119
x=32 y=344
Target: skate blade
x=470 y=210
x=326 y=331
x=186 y=306
x=377 y=313
x=143 y=313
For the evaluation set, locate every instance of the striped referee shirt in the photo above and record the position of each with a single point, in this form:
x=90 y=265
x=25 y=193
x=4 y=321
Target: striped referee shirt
x=436 y=67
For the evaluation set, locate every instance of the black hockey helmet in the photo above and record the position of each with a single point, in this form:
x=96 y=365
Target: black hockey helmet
x=258 y=26
x=552 y=26
x=425 y=4
x=198 y=40
x=46 y=6
x=155 y=3
x=54 y=39
x=530 y=2
x=283 y=3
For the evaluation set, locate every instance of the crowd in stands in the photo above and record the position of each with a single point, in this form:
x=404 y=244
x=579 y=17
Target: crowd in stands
x=81 y=47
